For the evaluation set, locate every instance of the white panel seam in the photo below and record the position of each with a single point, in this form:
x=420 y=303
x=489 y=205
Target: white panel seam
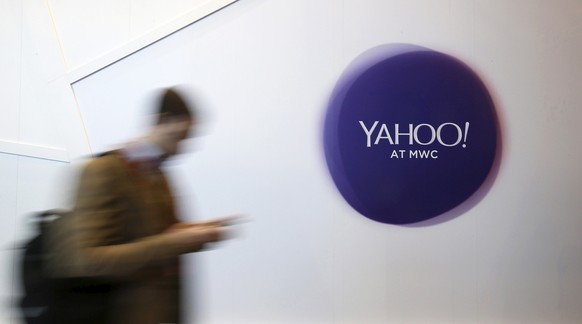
x=59 y=42
x=146 y=39
x=34 y=151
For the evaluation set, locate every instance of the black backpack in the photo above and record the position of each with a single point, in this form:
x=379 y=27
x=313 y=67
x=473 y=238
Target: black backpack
x=47 y=300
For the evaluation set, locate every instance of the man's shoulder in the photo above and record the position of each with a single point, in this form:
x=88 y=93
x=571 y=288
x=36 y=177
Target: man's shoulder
x=105 y=163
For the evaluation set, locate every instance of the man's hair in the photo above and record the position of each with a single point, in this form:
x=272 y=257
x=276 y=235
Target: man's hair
x=171 y=104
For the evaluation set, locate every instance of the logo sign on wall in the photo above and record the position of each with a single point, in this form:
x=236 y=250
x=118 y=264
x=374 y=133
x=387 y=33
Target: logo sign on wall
x=409 y=134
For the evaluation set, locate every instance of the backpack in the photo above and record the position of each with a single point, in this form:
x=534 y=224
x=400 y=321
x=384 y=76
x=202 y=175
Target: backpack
x=37 y=286
x=48 y=300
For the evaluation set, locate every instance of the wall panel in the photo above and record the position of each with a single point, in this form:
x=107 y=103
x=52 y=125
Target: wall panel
x=261 y=72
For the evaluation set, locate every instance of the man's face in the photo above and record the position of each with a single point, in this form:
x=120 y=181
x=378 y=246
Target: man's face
x=173 y=130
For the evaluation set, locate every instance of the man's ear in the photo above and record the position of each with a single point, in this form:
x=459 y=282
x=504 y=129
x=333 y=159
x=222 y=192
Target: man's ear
x=163 y=118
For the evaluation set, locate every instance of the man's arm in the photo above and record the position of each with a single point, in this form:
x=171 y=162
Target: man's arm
x=91 y=237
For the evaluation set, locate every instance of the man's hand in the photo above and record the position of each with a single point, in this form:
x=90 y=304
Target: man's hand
x=194 y=237
x=223 y=221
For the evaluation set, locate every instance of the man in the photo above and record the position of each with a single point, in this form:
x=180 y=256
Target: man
x=123 y=236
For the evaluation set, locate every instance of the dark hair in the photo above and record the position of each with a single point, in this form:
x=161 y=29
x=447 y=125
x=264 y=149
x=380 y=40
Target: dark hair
x=171 y=104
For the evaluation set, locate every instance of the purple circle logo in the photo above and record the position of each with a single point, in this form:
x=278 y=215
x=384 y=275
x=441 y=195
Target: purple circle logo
x=409 y=134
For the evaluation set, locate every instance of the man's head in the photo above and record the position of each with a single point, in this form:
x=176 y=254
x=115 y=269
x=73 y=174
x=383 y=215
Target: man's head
x=173 y=123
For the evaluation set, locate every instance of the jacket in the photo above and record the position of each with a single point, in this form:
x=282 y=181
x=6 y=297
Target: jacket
x=116 y=234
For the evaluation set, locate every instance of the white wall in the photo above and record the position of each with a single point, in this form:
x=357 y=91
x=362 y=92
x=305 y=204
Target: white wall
x=263 y=71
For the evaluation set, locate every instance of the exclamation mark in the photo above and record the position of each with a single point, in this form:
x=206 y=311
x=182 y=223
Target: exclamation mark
x=466 y=133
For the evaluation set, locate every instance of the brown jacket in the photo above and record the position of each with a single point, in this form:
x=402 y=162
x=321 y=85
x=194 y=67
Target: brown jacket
x=116 y=233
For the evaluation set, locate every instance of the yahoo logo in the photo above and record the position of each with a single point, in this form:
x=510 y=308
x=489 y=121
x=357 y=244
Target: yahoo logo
x=413 y=134
x=409 y=134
